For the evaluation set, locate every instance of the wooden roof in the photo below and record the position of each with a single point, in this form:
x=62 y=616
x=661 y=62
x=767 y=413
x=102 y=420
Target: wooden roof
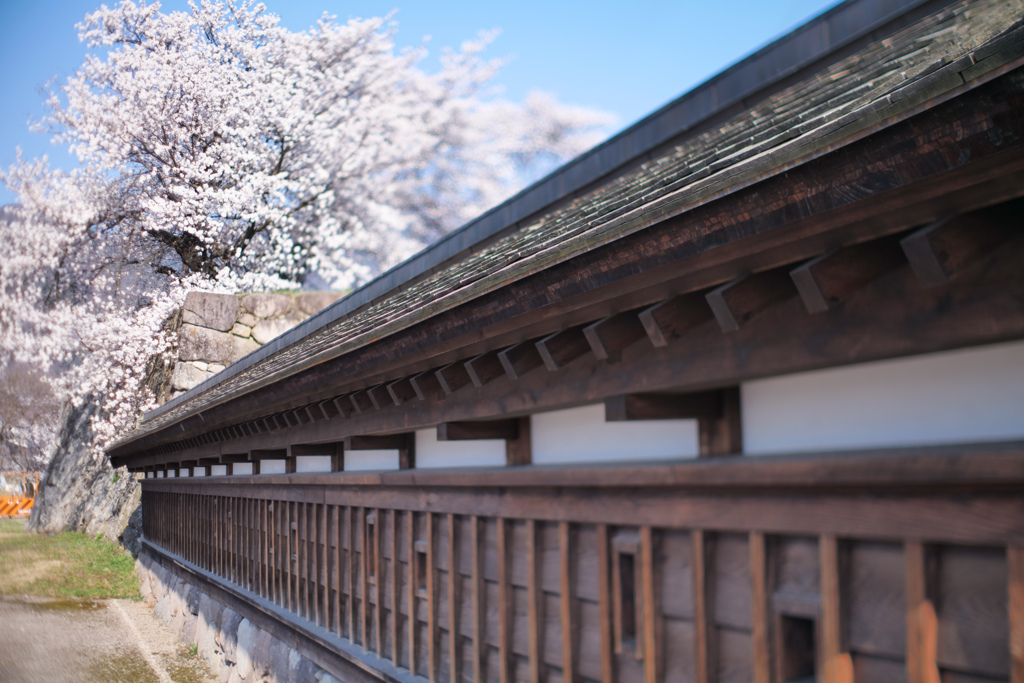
x=888 y=81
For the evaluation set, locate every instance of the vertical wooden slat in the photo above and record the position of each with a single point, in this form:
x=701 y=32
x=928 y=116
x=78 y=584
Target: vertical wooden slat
x=478 y=613
x=266 y=549
x=338 y=521
x=350 y=531
x=700 y=608
x=533 y=601
x=272 y=526
x=393 y=520
x=566 y=597
x=504 y=611
x=379 y=580
x=838 y=665
x=411 y=543
x=604 y=603
x=317 y=541
x=288 y=549
x=759 y=607
x=325 y=549
x=453 y=625
x=649 y=606
x=922 y=625
x=1015 y=606
x=364 y=611
x=431 y=602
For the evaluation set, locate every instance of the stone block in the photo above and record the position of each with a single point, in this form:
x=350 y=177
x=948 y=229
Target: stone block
x=199 y=343
x=186 y=376
x=215 y=311
x=265 y=305
x=215 y=368
x=240 y=330
x=314 y=302
x=247 y=319
x=266 y=330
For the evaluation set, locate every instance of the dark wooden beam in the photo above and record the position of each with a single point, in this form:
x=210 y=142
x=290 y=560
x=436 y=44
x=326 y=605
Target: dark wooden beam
x=377 y=442
x=328 y=409
x=518 y=451
x=469 y=431
x=699 y=405
x=722 y=435
x=268 y=454
x=485 y=368
x=343 y=405
x=561 y=348
x=453 y=377
x=736 y=303
x=229 y=458
x=609 y=336
x=427 y=385
x=669 y=320
x=519 y=359
x=205 y=462
x=941 y=251
x=402 y=390
x=827 y=280
x=187 y=463
x=380 y=397
x=361 y=402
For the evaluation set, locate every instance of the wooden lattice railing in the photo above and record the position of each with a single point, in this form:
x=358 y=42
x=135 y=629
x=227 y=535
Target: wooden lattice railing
x=877 y=567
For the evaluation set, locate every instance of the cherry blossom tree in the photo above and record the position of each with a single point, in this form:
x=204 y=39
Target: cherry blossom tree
x=219 y=150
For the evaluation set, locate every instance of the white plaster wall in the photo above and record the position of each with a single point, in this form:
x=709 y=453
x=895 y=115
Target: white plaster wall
x=218 y=470
x=199 y=472
x=172 y=473
x=582 y=435
x=312 y=463
x=954 y=396
x=246 y=467
x=477 y=453
x=183 y=472
x=356 y=461
x=267 y=467
x=161 y=474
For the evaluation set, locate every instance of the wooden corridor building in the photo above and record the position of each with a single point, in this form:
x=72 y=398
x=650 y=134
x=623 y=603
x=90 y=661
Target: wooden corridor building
x=734 y=397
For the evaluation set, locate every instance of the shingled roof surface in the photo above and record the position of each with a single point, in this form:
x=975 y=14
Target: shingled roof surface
x=879 y=85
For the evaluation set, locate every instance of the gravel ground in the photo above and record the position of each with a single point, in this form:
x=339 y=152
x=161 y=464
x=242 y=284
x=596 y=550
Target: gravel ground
x=105 y=641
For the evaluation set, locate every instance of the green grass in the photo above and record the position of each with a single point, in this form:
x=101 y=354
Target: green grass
x=66 y=565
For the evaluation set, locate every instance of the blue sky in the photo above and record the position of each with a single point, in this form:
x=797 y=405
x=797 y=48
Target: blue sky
x=625 y=57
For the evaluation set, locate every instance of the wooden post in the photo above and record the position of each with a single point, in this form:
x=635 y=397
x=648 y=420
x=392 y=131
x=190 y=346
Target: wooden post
x=478 y=612
x=533 y=601
x=1015 y=606
x=504 y=611
x=649 y=601
x=604 y=604
x=701 y=614
x=922 y=625
x=838 y=665
x=453 y=626
x=759 y=608
x=566 y=597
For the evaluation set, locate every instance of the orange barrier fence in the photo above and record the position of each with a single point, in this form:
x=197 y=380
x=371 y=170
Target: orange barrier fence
x=19 y=506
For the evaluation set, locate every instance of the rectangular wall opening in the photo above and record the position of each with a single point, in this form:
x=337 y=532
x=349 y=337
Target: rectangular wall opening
x=798 y=654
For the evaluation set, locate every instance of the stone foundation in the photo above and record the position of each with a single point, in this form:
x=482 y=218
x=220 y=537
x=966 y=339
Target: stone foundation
x=236 y=650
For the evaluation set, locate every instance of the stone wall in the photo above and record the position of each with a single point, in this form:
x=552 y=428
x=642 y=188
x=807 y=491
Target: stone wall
x=236 y=650
x=219 y=329
x=78 y=493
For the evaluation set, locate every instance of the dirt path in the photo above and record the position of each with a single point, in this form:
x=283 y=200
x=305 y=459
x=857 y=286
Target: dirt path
x=103 y=641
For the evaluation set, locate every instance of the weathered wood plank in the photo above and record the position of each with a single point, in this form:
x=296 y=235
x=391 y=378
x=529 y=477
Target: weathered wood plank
x=829 y=279
x=737 y=302
x=566 y=599
x=604 y=604
x=762 y=662
x=519 y=359
x=478 y=608
x=411 y=517
x=610 y=335
x=649 y=600
x=504 y=610
x=922 y=623
x=484 y=369
x=837 y=663
x=702 y=622
x=534 y=626
x=561 y=348
x=1015 y=607
x=454 y=660
x=432 y=629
